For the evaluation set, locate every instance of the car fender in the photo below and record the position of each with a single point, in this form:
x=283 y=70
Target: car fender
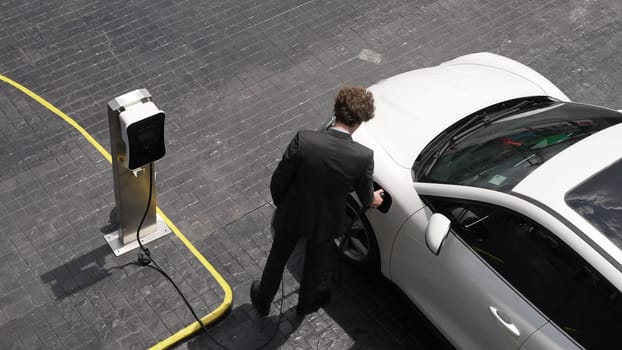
x=397 y=182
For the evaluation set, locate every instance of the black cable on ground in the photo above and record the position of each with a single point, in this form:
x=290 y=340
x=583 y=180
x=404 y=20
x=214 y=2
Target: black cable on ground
x=147 y=259
x=278 y=322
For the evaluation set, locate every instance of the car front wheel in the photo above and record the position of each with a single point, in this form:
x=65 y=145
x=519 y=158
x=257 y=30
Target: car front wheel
x=357 y=245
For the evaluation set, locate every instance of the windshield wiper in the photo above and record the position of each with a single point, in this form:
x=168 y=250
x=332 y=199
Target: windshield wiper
x=480 y=120
x=485 y=118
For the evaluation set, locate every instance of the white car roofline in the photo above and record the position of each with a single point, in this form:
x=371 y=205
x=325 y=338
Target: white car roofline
x=489 y=59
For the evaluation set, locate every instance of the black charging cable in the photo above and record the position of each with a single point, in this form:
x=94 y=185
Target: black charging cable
x=278 y=322
x=145 y=259
x=347 y=233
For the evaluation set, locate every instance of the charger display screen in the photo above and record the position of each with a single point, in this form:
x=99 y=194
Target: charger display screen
x=146 y=141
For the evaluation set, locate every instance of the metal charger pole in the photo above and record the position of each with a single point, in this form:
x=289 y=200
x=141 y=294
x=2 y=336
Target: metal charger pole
x=131 y=186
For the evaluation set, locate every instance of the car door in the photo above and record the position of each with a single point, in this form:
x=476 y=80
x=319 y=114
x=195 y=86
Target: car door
x=590 y=312
x=463 y=289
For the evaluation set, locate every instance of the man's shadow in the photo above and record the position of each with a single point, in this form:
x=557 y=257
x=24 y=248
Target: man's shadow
x=244 y=329
x=355 y=299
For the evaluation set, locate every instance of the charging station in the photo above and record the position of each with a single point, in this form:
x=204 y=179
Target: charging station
x=136 y=129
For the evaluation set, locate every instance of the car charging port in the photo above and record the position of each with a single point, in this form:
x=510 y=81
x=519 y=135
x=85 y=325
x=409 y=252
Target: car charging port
x=386 y=199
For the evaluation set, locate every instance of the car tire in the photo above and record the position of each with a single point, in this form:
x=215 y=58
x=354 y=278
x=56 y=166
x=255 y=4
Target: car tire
x=360 y=249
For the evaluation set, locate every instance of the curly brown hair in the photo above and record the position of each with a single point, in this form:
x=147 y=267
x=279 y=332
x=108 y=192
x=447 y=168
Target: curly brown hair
x=353 y=105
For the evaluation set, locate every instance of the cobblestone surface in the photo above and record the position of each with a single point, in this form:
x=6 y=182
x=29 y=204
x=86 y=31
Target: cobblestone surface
x=236 y=79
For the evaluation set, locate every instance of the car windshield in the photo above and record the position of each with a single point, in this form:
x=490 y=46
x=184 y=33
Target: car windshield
x=599 y=201
x=498 y=154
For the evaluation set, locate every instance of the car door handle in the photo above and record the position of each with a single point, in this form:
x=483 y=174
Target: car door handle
x=507 y=324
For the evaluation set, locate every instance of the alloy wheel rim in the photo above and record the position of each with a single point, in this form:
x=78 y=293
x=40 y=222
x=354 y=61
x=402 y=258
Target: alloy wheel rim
x=357 y=246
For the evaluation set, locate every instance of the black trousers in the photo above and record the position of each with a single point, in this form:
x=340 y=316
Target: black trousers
x=317 y=272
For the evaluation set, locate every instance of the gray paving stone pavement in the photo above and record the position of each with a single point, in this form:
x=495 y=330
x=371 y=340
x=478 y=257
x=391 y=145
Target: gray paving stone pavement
x=236 y=79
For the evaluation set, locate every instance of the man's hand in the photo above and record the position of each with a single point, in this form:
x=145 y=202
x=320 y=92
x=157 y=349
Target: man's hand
x=377 y=200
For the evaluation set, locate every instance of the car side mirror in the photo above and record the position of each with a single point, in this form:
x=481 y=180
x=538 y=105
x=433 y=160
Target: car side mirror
x=436 y=232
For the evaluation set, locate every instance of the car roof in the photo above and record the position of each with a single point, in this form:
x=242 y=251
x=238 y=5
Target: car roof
x=550 y=182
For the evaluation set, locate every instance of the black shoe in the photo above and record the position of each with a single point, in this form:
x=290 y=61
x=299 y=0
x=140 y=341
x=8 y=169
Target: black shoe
x=262 y=309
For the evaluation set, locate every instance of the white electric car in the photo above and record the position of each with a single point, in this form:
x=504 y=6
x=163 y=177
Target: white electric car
x=503 y=215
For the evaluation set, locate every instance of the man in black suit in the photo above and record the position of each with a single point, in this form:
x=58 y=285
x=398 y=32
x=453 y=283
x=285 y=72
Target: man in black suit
x=309 y=188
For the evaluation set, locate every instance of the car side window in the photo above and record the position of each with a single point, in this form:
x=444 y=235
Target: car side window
x=541 y=267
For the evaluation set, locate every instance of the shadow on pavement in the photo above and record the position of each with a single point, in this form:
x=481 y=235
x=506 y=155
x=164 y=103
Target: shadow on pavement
x=370 y=310
x=376 y=314
x=373 y=311
x=78 y=273
x=243 y=329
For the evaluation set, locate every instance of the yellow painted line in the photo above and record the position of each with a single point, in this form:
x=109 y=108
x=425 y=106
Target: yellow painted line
x=59 y=113
x=226 y=303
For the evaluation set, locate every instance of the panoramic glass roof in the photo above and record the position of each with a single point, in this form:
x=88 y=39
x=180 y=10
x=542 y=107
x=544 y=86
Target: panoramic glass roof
x=599 y=201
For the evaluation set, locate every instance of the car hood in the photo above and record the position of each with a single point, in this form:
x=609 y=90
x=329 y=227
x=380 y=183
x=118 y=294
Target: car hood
x=413 y=107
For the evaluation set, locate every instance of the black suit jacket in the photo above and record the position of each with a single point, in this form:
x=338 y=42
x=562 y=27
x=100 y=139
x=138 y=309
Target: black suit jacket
x=310 y=184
